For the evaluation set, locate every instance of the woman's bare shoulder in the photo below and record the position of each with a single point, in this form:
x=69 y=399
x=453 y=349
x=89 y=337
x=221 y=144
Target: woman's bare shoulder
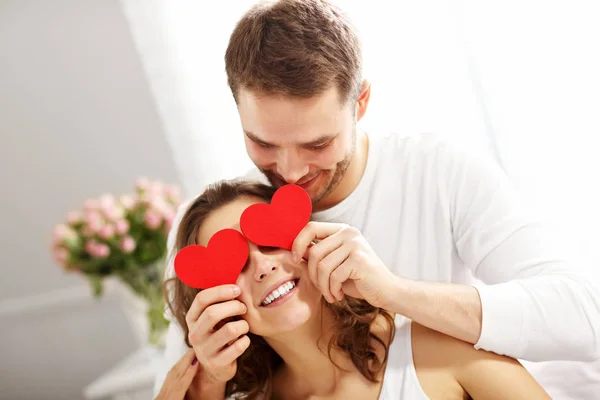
x=434 y=360
x=478 y=373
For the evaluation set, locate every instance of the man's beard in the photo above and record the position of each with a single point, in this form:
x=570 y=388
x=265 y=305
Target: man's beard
x=332 y=177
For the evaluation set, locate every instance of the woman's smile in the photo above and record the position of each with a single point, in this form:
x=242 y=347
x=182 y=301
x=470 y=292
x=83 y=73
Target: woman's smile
x=281 y=294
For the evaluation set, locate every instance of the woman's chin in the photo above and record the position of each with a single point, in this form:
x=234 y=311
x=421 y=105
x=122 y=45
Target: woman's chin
x=287 y=321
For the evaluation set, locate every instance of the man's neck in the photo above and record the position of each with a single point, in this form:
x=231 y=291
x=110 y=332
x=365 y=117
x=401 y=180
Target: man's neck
x=353 y=174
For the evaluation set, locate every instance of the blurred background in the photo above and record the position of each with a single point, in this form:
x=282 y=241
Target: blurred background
x=95 y=95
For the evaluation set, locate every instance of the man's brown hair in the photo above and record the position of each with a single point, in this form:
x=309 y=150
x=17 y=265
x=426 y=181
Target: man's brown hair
x=296 y=48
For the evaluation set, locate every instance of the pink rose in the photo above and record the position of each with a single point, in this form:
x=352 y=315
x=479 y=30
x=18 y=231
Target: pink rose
x=121 y=226
x=95 y=225
x=96 y=249
x=172 y=192
x=114 y=213
x=152 y=219
x=102 y=251
x=61 y=255
x=92 y=215
x=106 y=201
x=60 y=232
x=159 y=205
x=107 y=231
x=64 y=235
x=91 y=246
x=127 y=201
x=128 y=244
x=90 y=204
x=141 y=184
x=74 y=217
x=155 y=189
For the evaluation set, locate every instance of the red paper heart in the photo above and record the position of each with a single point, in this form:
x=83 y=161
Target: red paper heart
x=219 y=263
x=277 y=224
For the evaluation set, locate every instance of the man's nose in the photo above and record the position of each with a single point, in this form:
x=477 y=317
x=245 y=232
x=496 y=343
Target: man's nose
x=291 y=167
x=264 y=265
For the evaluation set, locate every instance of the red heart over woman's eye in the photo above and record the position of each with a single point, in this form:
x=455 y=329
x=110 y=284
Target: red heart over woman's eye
x=277 y=224
x=219 y=263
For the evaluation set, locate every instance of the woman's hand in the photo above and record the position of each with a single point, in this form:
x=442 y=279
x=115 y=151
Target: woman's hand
x=343 y=263
x=217 y=340
x=179 y=378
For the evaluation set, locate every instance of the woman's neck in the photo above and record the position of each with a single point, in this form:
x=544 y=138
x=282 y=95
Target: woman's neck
x=307 y=368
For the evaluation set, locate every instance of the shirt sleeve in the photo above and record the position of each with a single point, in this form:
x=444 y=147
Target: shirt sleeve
x=536 y=303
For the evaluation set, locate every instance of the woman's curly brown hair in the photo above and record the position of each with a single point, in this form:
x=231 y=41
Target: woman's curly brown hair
x=353 y=318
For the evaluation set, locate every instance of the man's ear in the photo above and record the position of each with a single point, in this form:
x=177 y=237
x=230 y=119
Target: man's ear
x=363 y=100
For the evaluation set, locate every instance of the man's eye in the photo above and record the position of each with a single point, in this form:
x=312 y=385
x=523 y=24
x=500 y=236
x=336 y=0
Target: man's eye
x=320 y=146
x=264 y=145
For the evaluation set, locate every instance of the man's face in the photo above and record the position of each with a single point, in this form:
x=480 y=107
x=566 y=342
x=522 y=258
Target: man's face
x=309 y=142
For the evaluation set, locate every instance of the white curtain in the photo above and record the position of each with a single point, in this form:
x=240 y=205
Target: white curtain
x=538 y=63
x=517 y=79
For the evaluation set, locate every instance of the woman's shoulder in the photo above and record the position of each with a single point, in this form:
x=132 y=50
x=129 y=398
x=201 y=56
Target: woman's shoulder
x=446 y=351
x=437 y=359
x=452 y=365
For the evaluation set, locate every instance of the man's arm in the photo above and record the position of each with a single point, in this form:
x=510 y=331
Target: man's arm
x=534 y=306
x=449 y=308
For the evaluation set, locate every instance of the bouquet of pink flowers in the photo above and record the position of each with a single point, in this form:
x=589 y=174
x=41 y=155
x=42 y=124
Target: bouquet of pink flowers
x=124 y=237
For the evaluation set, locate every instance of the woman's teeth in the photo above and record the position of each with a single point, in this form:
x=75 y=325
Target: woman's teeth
x=280 y=291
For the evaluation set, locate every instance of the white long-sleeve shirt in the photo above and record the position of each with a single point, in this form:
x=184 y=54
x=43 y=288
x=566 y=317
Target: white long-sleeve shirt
x=436 y=213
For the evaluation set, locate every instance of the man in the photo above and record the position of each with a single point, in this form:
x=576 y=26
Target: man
x=473 y=266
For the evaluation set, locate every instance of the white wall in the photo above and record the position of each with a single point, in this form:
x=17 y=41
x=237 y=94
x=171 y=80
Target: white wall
x=76 y=120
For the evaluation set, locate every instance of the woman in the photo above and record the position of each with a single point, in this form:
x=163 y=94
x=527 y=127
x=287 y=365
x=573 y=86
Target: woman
x=275 y=335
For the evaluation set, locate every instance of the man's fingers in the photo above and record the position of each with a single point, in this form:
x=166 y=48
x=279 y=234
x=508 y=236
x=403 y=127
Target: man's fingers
x=207 y=297
x=321 y=263
x=341 y=274
x=332 y=262
x=312 y=231
x=319 y=251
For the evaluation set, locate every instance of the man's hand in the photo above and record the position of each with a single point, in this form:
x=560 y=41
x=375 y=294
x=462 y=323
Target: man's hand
x=341 y=262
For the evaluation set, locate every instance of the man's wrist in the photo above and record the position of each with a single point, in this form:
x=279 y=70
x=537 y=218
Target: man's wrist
x=397 y=295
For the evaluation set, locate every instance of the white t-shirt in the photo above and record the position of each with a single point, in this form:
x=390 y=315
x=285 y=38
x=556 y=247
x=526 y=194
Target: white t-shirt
x=433 y=212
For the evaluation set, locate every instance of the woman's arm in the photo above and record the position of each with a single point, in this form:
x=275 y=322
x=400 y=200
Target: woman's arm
x=481 y=374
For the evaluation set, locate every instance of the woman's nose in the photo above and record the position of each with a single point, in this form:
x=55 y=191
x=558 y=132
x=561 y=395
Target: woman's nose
x=263 y=264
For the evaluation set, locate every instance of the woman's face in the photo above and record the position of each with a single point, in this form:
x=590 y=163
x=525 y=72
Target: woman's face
x=278 y=292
